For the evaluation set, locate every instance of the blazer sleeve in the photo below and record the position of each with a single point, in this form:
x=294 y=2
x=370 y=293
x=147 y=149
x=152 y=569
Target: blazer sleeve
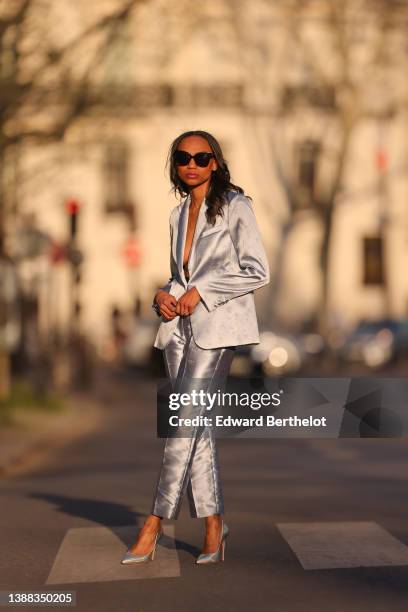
x=173 y=269
x=223 y=285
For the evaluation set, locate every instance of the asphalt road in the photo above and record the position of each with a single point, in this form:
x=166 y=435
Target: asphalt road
x=315 y=525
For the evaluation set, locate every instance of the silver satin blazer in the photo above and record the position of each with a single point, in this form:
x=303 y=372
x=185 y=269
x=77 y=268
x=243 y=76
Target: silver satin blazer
x=226 y=266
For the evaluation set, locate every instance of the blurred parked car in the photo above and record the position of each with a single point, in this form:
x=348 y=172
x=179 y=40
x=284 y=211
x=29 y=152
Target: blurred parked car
x=137 y=349
x=313 y=347
x=277 y=353
x=375 y=343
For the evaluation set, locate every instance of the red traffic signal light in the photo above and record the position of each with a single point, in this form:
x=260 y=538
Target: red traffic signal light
x=132 y=252
x=72 y=207
x=382 y=160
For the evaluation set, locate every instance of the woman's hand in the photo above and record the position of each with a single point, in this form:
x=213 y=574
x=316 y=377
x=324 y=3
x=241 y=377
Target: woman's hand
x=188 y=302
x=167 y=304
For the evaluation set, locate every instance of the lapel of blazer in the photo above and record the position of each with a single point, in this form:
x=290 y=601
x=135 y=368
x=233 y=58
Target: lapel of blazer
x=182 y=234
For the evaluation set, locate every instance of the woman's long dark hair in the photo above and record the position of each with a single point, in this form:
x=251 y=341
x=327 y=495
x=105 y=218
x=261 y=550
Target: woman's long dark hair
x=220 y=182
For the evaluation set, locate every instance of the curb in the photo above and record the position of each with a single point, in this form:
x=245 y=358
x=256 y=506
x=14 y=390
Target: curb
x=26 y=444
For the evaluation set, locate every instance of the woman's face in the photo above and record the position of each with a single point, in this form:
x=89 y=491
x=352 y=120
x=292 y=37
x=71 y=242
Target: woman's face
x=193 y=175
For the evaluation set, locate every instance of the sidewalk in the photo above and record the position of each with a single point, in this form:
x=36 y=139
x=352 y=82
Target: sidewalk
x=27 y=442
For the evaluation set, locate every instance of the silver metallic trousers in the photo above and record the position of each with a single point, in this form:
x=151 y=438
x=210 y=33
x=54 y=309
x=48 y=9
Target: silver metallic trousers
x=191 y=462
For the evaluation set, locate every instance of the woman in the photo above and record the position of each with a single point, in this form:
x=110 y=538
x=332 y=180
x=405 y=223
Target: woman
x=217 y=260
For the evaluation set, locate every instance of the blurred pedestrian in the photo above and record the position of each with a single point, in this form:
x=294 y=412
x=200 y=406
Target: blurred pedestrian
x=118 y=330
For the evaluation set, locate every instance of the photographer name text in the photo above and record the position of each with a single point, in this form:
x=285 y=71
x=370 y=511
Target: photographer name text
x=260 y=421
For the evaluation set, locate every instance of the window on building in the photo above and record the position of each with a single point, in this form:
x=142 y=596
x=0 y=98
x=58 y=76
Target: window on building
x=307 y=160
x=116 y=177
x=373 y=260
x=314 y=96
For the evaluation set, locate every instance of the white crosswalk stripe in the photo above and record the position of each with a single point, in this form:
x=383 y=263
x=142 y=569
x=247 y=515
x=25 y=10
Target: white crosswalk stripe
x=343 y=544
x=93 y=554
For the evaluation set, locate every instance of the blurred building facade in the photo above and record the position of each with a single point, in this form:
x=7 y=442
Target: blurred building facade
x=316 y=168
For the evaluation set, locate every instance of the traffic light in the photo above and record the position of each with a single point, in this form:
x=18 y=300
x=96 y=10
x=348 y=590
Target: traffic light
x=73 y=207
x=132 y=252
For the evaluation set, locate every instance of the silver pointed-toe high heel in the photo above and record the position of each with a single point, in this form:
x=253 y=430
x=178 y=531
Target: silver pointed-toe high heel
x=134 y=558
x=218 y=555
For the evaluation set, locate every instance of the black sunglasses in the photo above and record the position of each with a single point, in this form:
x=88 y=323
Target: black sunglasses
x=182 y=158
